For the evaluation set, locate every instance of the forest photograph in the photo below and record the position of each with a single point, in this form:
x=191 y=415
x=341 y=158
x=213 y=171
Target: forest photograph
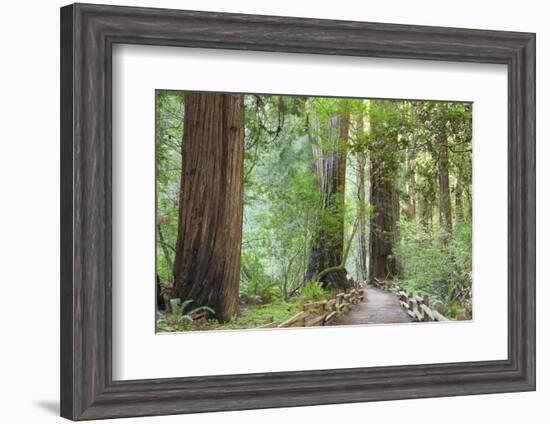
x=282 y=211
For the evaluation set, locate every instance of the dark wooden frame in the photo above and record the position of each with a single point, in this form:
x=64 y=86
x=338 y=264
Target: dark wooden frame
x=88 y=33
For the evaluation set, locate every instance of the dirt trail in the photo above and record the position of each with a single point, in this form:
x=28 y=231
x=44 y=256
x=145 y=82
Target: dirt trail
x=379 y=307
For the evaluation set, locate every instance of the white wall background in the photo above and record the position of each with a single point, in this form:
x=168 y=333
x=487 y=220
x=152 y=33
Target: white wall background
x=29 y=212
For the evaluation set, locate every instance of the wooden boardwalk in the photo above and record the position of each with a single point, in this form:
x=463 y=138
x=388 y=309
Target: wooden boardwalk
x=379 y=307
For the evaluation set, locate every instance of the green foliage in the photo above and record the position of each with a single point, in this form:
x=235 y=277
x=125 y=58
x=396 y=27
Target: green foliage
x=258 y=315
x=444 y=274
x=256 y=286
x=282 y=198
x=314 y=291
x=426 y=265
x=168 y=138
x=179 y=319
x=178 y=309
x=251 y=317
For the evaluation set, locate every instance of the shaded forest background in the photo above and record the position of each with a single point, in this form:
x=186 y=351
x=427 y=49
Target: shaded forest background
x=328 y=193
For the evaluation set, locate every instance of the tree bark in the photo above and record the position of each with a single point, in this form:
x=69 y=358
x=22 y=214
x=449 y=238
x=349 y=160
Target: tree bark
x=208 y=249
x=161 y=302
x=327 y=244
x=425 y=211
x=410 y=188
x=459 y=206
x=445 y=211
x=383 y=225
x=384 y=196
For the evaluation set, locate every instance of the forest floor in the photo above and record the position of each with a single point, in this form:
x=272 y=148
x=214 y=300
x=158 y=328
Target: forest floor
x=379 y=307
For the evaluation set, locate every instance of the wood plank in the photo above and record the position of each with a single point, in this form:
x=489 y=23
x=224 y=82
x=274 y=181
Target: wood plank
x=427 y=311
x=314 y=304
x=439 y=317
x=300 y=315
x=269 y=325
x=316 y=321
x=330 y=316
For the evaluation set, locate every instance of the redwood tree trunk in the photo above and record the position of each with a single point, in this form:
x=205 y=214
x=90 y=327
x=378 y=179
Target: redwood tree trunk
x=327 y=245
x=383 y=226
x=208 y=249
x=384 y=196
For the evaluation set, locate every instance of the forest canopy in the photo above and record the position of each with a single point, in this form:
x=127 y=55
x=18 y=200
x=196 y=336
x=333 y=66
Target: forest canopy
x=265 y=202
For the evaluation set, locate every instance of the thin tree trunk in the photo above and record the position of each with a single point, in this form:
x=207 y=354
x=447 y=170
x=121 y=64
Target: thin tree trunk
x=161 y=302
x=396 y=216
x=425 y=212
x=165 y=250
x=459 y=207
x=410 y=188
x=361 y=230
x=208 y=250
x=306 y=245
x=445 y=211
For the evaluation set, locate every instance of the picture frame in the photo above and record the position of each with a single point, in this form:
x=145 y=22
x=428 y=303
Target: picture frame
x=88 y=33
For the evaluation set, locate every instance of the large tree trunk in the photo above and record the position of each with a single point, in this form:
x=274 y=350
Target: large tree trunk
x=327 y=244
x=445 y=212
x=208 y=250
x=384 y=196
x=384 y=220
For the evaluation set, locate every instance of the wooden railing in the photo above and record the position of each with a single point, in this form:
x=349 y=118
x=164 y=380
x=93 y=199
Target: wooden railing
x=321 y=312
x=416 y=306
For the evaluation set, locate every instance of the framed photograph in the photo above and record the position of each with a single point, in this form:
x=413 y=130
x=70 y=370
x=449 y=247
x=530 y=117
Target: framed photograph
x=264 y=211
